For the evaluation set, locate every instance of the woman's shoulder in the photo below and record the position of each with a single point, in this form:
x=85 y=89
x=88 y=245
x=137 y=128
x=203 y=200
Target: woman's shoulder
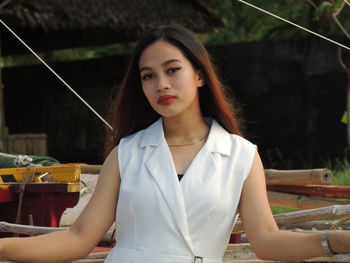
x=138 y=135
x=241 y=139
x=223 y=134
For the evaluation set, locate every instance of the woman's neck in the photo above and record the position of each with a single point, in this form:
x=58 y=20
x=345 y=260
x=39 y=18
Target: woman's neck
x=185 y=128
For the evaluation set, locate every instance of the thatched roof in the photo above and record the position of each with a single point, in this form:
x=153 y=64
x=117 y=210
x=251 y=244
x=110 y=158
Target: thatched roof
x=91 y=22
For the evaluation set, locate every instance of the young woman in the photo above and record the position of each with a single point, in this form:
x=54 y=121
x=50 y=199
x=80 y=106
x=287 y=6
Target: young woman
x=177 y=174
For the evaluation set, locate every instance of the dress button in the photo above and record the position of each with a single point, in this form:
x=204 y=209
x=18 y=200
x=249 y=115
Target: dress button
x=198 y=259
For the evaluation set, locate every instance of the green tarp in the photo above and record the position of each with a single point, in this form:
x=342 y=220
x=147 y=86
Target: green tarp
x=10 y=160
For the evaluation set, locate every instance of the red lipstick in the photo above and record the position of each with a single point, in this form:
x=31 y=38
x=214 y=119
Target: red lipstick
x=166 y=100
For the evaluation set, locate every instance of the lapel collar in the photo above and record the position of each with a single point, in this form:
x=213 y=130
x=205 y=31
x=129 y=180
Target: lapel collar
x=160 y=165
x=219 y=139
x=205 y=163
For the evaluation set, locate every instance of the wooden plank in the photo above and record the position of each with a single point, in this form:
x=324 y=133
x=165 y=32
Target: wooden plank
x=298 y=177
x=329 y=191
x=300 y=202
x=58 y=173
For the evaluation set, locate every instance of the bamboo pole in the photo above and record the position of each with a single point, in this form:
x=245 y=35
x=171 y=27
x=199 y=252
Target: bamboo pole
x=324 y=213
x=90 y=169
x=319 y=225
x=239 y=251
x=244 y=252
x=298 y=177
x=330 y=212
x=234 y=253
x=299 y=202
x=281 y=177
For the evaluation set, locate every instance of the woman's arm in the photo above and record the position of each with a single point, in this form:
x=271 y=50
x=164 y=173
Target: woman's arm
x=83 y=235
x=266 y=239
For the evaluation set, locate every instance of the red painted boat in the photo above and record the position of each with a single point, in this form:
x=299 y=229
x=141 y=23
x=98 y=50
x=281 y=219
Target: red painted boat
x=38 y=195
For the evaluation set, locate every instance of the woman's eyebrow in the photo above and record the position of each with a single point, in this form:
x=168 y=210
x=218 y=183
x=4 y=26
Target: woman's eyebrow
x=163 y=64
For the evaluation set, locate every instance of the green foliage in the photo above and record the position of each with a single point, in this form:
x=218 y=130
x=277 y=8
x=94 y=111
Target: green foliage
x=244 y=23
x=341 y=173
x=344 y=118
x=341 y=176
x=324 y=7
x=331 y=16
x=67 y=55
x=281 y=210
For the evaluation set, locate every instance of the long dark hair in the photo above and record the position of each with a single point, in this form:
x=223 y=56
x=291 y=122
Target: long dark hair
x=131 y=112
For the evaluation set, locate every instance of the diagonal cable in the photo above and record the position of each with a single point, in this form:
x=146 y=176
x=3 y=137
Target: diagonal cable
x=58 y=76
x=296 y=25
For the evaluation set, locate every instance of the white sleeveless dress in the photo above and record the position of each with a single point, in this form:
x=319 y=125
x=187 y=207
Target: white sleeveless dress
x=160 y=219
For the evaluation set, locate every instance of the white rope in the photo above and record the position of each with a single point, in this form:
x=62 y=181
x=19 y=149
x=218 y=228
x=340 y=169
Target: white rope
x=347 y=2
x=289 y=22
x=58 y=76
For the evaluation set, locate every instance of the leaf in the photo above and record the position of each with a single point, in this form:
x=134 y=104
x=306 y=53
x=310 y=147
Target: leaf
x=324 y=8
x=338 y=4
x=344 y=118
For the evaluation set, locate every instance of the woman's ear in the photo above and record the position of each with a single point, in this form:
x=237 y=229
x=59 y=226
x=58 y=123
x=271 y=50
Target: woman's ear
x=200 y=79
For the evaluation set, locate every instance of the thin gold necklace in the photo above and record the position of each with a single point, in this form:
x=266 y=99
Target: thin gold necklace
x=179 y=145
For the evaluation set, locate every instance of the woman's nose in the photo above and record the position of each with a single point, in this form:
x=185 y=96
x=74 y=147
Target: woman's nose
x=163 y=83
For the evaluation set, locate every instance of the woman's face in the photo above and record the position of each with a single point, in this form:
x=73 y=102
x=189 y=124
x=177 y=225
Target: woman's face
x=169 y=81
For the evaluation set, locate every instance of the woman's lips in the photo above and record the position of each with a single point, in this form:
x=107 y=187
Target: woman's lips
x=166 y=100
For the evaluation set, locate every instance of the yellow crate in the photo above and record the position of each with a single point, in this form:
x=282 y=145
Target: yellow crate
x=41 y=174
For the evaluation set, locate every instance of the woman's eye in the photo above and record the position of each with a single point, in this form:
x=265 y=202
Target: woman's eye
x=173 y=70
x=146 y=76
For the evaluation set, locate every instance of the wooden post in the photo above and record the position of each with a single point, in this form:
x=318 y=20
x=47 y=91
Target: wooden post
x=3 y=128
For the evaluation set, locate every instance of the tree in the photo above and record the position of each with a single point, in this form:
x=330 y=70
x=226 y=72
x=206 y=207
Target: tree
x=243 y=23
x=334 y=10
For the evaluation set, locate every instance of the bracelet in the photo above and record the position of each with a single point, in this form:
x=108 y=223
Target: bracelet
x=326 y=246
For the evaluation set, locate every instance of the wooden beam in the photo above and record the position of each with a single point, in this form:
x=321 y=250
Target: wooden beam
x=300 y=202
x=329 y=191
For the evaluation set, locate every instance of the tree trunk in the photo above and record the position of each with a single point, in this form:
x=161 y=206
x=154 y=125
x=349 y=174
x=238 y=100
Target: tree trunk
x=3 y=128
x=348 y=110
x=347 y=71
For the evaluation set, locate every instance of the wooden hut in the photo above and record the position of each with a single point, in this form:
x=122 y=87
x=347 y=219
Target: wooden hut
x=60 y=24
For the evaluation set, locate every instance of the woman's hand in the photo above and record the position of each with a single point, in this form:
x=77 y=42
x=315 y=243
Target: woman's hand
x=77 y=241
x=339 y=241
